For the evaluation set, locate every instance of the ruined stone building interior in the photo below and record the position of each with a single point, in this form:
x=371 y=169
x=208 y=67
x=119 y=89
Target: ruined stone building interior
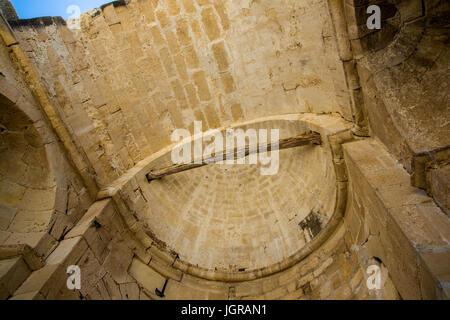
x=87 y=113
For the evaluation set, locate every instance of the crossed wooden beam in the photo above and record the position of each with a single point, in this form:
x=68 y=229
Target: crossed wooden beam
x=308 y=138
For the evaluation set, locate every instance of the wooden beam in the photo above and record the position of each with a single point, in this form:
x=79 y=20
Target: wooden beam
x=308 y=138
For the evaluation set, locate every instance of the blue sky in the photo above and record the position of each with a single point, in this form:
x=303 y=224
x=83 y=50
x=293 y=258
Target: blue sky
x=27 y=9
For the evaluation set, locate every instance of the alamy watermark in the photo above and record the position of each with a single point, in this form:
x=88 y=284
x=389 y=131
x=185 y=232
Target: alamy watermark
x=73 y=22
x=229 y=149
x=374 y=280
x=74 y=279
x=374 y=21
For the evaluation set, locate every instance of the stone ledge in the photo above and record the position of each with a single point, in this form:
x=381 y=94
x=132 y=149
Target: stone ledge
x=40 y=22
x=413 y=224
x=13 y=273
x=30 y=256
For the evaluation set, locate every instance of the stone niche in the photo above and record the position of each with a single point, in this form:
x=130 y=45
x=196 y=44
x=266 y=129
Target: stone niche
x=229 y=221
x=231 y=218
x=27 y=185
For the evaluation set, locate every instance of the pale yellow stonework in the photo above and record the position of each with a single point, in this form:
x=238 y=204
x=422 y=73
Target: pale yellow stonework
x=86 y=114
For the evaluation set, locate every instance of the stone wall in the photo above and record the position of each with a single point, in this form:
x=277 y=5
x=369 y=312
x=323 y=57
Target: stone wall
x=116 y=267
x=8 y=10
x=41 y=195
x=396 y=223
x=86 y=114
x=118 y=263
x=136 y=72
x=403 y=69
x=139 y=202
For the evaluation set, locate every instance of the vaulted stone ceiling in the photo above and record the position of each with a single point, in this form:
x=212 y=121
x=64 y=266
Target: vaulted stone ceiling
x=135 y=73
x=87 y=113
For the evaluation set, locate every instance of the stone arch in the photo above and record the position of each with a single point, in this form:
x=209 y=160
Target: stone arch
x=131 y=202
x=33 y=188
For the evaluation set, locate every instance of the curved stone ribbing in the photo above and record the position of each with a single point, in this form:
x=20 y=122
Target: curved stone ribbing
x=230 y=217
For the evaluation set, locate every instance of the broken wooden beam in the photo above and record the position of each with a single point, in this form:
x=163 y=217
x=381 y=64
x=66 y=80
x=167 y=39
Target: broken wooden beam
x=308 y=138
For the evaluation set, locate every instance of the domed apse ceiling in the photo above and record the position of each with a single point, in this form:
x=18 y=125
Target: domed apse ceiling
x=230 y=218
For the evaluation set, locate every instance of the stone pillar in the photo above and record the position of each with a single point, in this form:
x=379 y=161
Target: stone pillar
x=8 y=10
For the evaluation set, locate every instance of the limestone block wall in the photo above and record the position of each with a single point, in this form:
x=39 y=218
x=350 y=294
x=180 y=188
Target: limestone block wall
x=8 y=10
x=137 y=71
x=41 y=195
x=404 y=74
x=93 y=109
x=115 y=267
x=27 y=196
x=95 y=244
x=396 y=223
x=140 y=203
x=116 y=264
